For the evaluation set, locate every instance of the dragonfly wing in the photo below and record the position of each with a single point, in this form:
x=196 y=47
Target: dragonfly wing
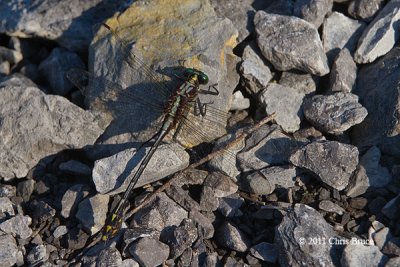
x=191 y=130
x=130 y=107
x=141 y=71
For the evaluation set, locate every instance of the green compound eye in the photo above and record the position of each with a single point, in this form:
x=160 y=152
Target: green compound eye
x=203 y=78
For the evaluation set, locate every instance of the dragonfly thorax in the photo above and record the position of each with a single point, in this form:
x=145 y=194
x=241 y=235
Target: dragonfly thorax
x=180 y=102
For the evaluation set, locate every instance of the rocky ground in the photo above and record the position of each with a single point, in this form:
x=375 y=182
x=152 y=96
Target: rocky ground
x=318 y=186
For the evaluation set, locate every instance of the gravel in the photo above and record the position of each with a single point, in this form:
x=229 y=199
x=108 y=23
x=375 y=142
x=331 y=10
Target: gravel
x=319 y=185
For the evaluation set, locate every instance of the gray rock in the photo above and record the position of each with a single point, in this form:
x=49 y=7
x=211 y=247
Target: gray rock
x=60 y=231
x=230 y=206
x=180 y=238
x=76 y=238
x=92 y=212
x=378 y=89
x=232 y=262
x=68 y=23
x=108 y=60
x=8 y=250
x=54 y=68
x=290 y=43
x=221 y=184
x=265 y=147
x=129 y=263
x=112 y=174
x=6 y=207
x=380 y=35
x=369 y=174
x=9 y=55
x=338 y=32
x=265 y=251
x=364 y=9
x=303 y=83
x=5 y=68
x=37 y=254
x=256 y=183
x=143 y=252
x=190 y=177
x=240 y=13
x=334 y=113
x=280 y=176
x=18 y=225
x=360 y=255
x=292 y=238
x=203 y=224
x=186 y=258
x=208 y=199
x=392 y=208
x=286 y=103
x=160 y=213
x=377 y=225
x=313 y=11
x=393 y=262
x=41 y=211
x=182 y=197
x=392 y=247
x=331 y=161
x=381 y=237
x=324 y=194
x=211 y=259
x=75 y=167
x=231 y=237
x=343 y=73
x=226 y=162
x=256 y=75
x=71 y=199
x=329 y=206
x=358 y=203
x=35 y=125
x=109 y=257
x=308 y=134
x=239 y=102
x=7 y=190
x=25 y=189
x=132 y=234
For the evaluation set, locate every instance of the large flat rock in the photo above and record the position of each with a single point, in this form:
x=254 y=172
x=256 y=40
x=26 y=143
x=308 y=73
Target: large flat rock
x=165 y=37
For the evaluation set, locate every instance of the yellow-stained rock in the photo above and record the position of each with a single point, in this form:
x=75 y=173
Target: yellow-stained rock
x=167 y=34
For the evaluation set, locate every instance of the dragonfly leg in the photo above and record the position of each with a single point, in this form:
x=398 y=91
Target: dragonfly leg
x=181 y=63
x=201 y=108
x=177 y=131
x=212 y=90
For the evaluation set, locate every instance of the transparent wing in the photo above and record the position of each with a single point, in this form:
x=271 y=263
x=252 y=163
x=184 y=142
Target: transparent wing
x=130 y=105
x=149 y=78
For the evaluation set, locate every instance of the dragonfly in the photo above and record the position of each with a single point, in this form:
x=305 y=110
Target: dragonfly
x=182 y=103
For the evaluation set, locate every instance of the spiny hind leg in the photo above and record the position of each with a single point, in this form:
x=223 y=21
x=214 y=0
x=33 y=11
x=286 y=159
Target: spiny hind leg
x=201 y=108
x=212 y=90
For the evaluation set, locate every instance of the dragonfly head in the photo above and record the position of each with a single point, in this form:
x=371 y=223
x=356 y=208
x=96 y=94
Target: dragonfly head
x=201 y=76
